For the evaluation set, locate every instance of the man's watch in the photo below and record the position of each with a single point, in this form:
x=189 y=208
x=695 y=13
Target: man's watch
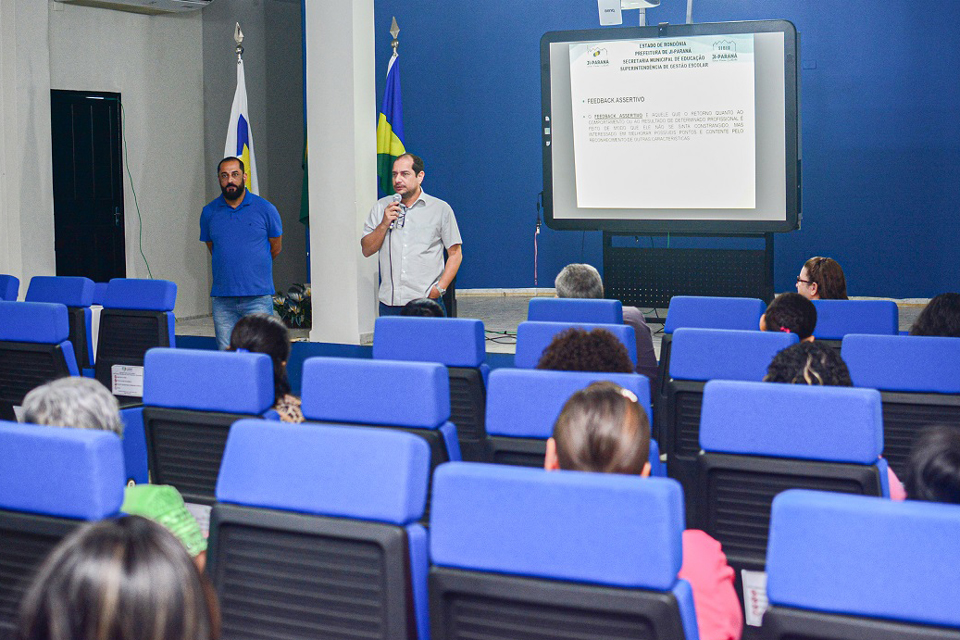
x=440 y=289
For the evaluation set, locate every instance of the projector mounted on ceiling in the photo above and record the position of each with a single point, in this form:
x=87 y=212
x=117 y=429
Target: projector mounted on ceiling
x=150 y=7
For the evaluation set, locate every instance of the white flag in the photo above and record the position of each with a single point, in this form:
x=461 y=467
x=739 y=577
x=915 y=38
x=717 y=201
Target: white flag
x=240 y=134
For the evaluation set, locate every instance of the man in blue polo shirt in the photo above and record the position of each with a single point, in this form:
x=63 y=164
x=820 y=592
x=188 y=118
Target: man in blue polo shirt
x=244 y=234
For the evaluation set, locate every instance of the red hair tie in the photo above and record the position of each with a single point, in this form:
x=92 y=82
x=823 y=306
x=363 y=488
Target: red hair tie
x=784 y=329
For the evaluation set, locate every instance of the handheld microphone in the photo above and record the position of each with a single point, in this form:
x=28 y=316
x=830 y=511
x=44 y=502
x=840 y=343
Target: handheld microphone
x=396 y=200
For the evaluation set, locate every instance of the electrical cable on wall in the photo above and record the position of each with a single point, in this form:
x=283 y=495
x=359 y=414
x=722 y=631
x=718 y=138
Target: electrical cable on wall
x=126 y=162
x=536 y=234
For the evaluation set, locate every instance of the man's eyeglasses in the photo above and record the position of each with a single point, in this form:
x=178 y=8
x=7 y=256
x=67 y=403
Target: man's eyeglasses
x=799 y=280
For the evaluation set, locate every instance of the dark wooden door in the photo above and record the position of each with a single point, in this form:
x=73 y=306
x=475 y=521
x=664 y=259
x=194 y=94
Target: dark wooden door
x=88 y=184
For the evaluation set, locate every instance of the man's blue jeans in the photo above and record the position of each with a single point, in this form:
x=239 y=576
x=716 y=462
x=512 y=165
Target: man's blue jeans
x=228 y=309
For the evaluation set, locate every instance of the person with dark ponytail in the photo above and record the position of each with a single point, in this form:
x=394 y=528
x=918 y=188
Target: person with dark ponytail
x=262 y=333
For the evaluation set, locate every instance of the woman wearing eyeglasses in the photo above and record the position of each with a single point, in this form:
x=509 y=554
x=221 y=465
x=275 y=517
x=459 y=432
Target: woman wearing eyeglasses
x=822 y=279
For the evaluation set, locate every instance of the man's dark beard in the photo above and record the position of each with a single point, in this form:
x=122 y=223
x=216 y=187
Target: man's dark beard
x=234 y=191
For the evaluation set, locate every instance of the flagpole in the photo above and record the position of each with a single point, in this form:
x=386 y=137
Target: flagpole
x=394 y=31
x=238 y=38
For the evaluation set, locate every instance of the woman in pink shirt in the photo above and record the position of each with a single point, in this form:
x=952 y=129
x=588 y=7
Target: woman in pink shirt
x=603 y=428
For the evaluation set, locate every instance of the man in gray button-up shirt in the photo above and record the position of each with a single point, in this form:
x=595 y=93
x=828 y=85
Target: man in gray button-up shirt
x=410 y=234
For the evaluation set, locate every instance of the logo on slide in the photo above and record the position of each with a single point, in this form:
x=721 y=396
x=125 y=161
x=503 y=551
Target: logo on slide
x=598 y=55
x=725 y=45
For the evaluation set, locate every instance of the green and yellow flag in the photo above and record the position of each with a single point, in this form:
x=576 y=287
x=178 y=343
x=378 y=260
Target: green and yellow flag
x=390 y=127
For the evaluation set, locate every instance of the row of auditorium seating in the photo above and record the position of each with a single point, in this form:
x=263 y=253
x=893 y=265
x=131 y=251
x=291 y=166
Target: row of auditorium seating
x=60 y=330
x=316 y=532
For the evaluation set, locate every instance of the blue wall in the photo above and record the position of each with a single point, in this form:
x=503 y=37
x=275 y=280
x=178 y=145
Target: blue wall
x=880 y=105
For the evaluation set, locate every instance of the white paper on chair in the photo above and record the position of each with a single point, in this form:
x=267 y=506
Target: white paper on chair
x=126 y=380
x=754 y=596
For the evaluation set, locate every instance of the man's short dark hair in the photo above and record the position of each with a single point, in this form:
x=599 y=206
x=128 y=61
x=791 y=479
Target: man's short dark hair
x=417 y=162
x=228 y=159
x=791 y=313
x=579 y=281
x=579 y=350
x=423 y=307
x=602 y=428
x=941 y=317
x=809 y=363
x=933 y=469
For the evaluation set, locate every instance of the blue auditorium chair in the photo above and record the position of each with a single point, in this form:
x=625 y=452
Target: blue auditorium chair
x=842 y=566
x=524 y=553
x=77 y=294
x=702 y=312
x=315 y=533
x=837 y=318
x=51 y=480
x=460 y=345
x=919 y=382
x=9 y=288
x=700 y=355
x=191 y=397
x=524 y=404
x=762 y=438
x=137 y=315
x=592 y=310
x=99 y=292
x=533 y=337
x=34 y=349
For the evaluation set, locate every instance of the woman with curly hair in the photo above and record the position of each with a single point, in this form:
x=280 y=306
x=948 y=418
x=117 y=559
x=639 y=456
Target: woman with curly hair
x=581 y=350
x=941 y=317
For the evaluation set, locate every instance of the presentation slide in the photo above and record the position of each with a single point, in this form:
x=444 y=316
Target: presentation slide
x=684 y=129
x=665 y=123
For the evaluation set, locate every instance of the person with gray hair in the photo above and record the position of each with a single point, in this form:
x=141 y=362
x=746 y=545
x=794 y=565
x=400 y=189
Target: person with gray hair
x=82 y=403
x=584 y=281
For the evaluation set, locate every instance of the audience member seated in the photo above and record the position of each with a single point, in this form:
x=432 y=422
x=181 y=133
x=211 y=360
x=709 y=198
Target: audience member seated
x=790 y=313
x=123 y=579
x=603 y=428
x=941 y=317
x=583 y=281
x=809 y=363
x=262 y=333
x=933 y=469
x=580 y=350
x=84 y=403
x=813 y=364
x=424 y=308
x=822 y=279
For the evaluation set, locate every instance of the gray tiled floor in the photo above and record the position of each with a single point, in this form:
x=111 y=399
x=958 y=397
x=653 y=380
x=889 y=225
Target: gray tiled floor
x=502 y=313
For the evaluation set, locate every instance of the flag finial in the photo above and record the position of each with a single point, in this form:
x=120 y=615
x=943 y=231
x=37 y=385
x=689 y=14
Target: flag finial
x=394 y=31
x=238 y=38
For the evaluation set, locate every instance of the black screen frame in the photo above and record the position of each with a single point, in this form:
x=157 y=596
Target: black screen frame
x=792 y=159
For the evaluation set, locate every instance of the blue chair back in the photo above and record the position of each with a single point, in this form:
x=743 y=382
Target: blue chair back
x=77 y=294
x=34 y=349
x=410 y=396
x=460 y=345
x=338 y=508
x=699 y=355
x=534 y=337
x=9 y=287
x=52 y=479
x=837 y=318
x=137 y=316
x=518 y=427
x=191 y=397
x=919 y=384
x=592 y=310
x=855 y=566
x=99 y=292
x=524 y=536
x=761 y=438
